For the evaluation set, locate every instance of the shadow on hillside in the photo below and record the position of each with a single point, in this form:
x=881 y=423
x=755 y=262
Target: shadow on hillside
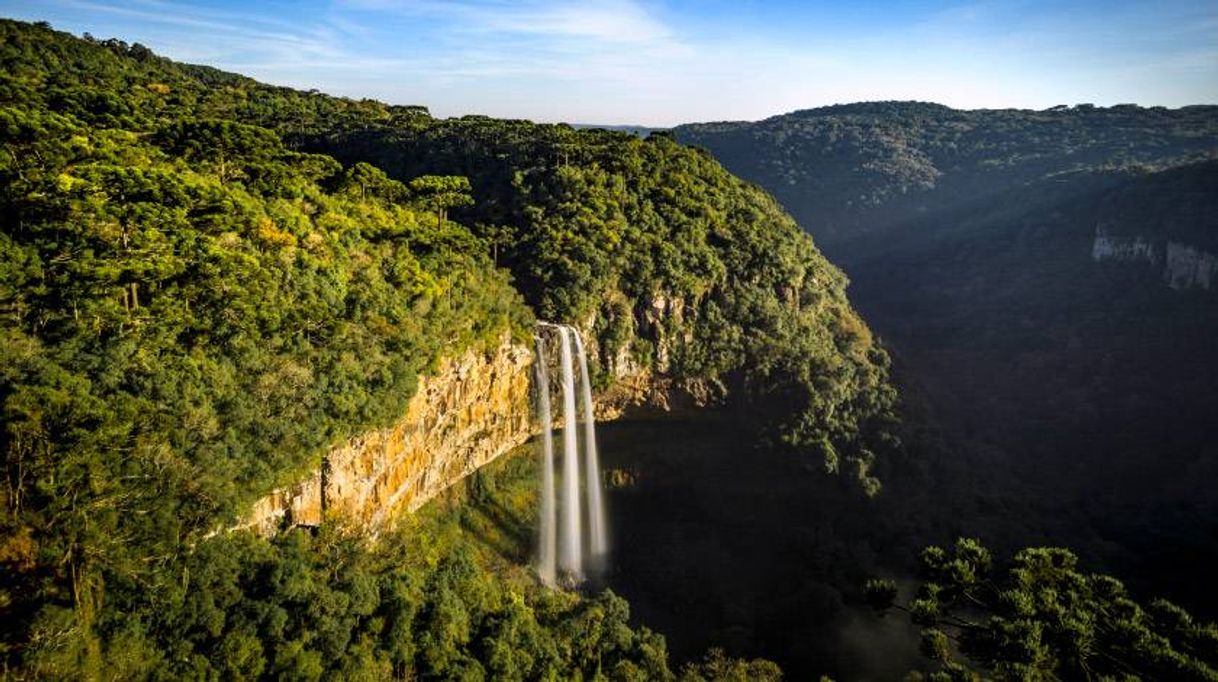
x=718 y=543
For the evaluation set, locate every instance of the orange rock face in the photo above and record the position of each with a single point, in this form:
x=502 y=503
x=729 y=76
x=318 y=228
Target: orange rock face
x=475 y=408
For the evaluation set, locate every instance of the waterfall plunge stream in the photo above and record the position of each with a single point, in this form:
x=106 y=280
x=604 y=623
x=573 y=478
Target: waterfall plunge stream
x=567 y=552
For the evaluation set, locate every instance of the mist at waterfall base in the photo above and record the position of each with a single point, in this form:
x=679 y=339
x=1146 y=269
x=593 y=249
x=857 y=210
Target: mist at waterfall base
x=716 y=540
x=570 y=550
x=720 y=542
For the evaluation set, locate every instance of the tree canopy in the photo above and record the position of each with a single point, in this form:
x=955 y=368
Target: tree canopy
x=1044 y=618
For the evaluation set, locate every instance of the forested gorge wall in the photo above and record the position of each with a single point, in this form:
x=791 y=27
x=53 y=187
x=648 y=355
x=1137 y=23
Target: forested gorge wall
x=688 y=283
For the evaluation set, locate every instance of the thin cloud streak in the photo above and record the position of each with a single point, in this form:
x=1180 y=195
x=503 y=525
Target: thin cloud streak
x=616 y=21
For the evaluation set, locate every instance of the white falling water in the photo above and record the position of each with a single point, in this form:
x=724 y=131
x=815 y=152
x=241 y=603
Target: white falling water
x=567 y=552
x=570 y=539
x=547 y=564
x=598 y=536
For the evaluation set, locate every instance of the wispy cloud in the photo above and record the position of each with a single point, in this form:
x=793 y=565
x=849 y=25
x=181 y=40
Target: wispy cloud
x=610 y=21
x=207 y=33
x=549 y=36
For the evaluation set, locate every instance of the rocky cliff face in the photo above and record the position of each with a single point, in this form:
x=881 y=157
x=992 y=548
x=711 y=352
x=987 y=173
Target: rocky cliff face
x=1108 y=246
x=638 y=385
x=1184 y=266
x=473 y=409
x=1189 y=268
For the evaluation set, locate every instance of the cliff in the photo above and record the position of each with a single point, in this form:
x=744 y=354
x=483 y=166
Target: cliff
x=646 y=386
x=1167 y=222
x=473 y=409
x=1184 y=266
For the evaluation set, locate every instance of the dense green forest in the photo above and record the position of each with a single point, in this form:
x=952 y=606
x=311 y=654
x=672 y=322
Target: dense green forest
x=1043 y=617
x=193 y=313
x=675 y=264
x=443 y=595
x=207 y=282
x=197 y=305
x=595 y=227
x=851 y=171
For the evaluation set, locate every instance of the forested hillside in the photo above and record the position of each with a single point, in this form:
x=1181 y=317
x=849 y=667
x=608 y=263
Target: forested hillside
x=674 y=265
x=853 y=170
x=596 y=227
x=1045 y=279
x=198 y=304
x=193 y=313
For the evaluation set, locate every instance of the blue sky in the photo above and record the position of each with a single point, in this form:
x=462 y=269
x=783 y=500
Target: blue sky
x=662 y=63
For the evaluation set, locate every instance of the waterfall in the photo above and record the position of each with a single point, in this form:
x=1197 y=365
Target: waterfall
x=547 y=566
x=567 y=552
x=598 y=540
x=570 y=539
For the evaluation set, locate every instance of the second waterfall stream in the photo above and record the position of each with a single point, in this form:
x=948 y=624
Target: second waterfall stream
x=574 y=538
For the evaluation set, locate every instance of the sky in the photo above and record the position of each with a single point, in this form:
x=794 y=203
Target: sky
x=674 y=61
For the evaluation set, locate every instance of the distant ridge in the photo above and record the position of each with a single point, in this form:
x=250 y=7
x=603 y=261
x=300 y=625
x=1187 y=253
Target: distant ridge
x=637 y=131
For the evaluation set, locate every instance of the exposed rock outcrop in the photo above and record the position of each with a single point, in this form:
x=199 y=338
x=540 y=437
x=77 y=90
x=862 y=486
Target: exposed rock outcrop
x=473 y=409
x=1184 y=266
x=1108 y=246
x=1189 y=268
x=635 y=343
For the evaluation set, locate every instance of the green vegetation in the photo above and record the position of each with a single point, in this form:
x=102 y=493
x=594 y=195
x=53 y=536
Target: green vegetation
x=193 y=314
x=850 y=170
x=1077 y=396
x=442 y=596
x=206 y=282
x=1044 y=619
x=675 y=264
x=197 y=305
x=595 y=226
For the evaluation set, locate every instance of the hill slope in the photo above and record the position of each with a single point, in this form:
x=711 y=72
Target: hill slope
x=1047 y=279
x=854 y=170
x=196 y=309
